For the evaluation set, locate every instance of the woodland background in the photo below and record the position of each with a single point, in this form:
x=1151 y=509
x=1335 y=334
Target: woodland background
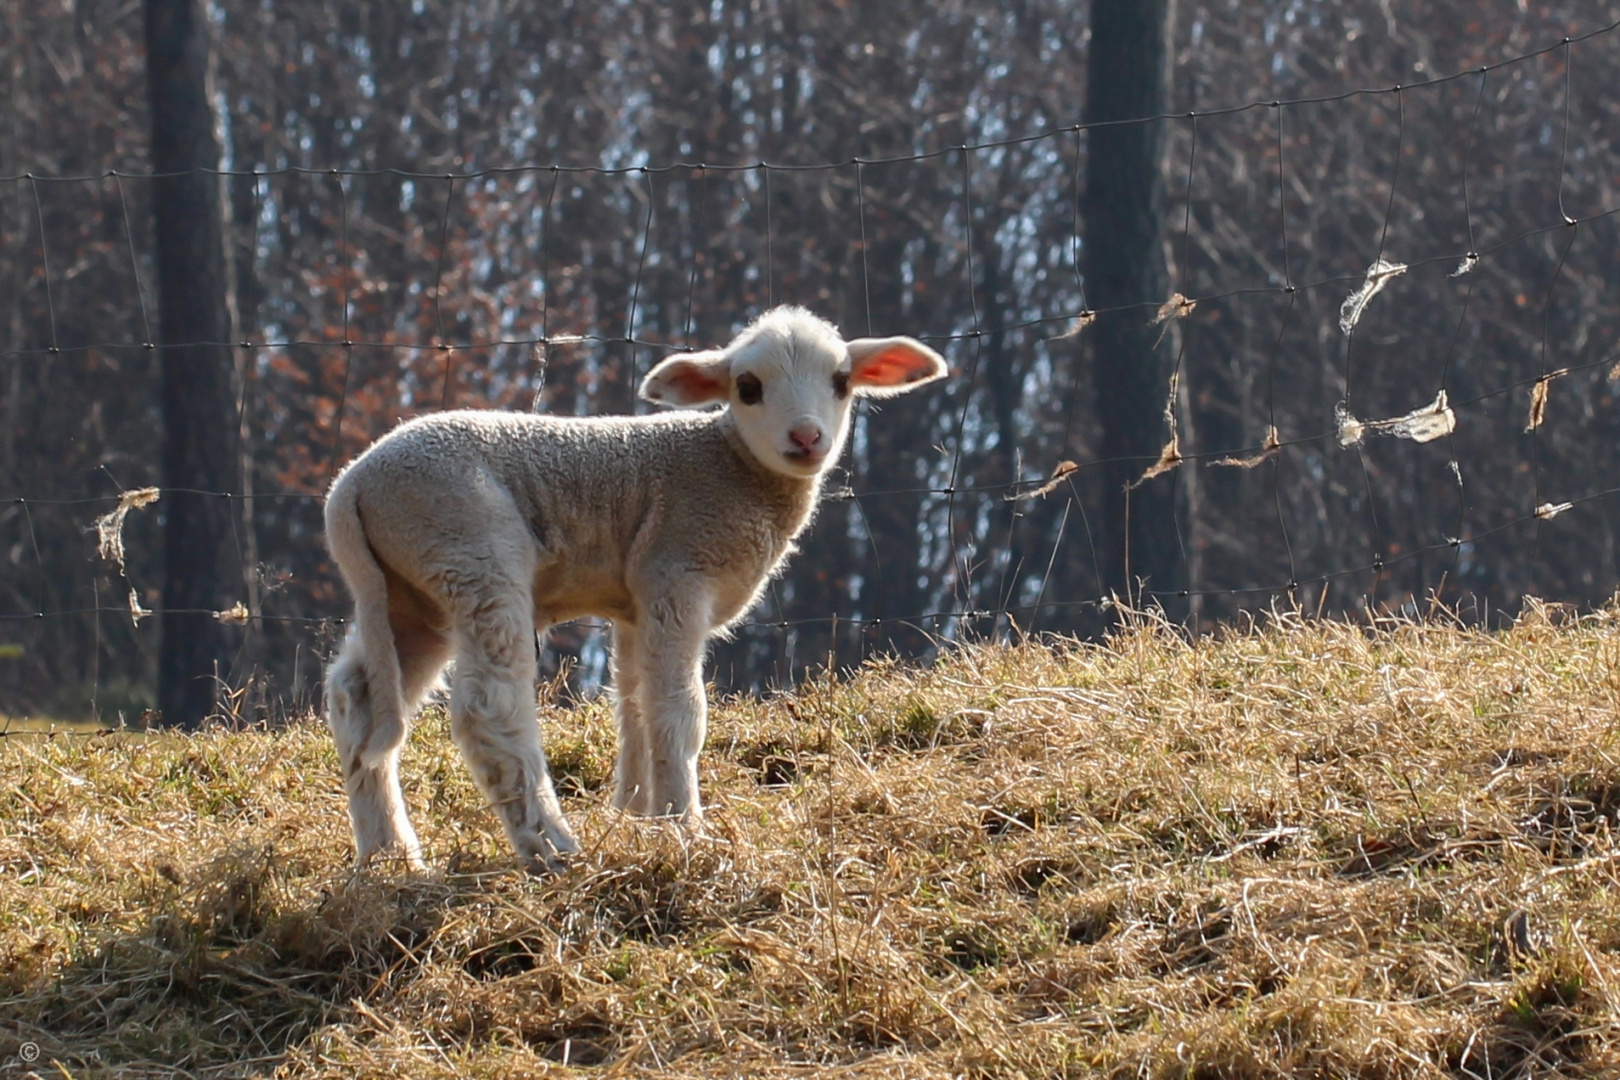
x=445 y=222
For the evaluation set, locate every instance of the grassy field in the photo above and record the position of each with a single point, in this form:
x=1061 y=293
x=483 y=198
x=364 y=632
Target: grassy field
x=1303 y=850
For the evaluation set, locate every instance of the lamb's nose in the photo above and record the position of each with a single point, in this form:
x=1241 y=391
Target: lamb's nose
x=805 y=437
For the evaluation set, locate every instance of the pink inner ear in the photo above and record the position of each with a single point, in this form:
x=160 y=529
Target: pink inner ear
x=693 y=383
x=895 y=365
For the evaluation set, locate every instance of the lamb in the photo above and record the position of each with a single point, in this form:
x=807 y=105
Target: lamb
x=459 y=534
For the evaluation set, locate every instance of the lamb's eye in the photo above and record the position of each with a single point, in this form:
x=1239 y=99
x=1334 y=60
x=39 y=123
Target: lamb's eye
x=841 y=385
x=749 y=389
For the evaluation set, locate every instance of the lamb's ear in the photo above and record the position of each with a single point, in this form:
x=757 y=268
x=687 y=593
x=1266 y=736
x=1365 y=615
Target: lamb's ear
x=689 y=380
x=883 y=367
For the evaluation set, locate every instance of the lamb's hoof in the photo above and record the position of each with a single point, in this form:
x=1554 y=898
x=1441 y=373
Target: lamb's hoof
x=632 y=802
x=545 y=858
x=392 y=857
x=545 y=866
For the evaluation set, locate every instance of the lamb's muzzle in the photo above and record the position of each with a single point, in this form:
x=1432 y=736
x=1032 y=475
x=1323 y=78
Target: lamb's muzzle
x=460 y=534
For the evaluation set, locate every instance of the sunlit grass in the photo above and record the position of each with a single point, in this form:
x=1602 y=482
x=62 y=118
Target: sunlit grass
x=1309 y=849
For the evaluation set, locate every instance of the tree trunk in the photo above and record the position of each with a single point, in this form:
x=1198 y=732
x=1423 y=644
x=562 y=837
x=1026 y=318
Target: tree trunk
x=1125 y=265
x=202 y=567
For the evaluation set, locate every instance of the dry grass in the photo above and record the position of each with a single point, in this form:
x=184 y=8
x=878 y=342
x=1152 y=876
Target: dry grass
x=1305 y=850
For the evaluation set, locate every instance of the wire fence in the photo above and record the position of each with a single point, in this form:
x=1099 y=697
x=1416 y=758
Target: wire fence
x=430 y=355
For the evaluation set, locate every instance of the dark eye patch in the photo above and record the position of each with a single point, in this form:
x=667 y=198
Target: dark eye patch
x=750 y=391
x=841 y=385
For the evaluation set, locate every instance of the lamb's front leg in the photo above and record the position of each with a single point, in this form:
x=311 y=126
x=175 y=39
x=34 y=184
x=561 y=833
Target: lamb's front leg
x=675 y=713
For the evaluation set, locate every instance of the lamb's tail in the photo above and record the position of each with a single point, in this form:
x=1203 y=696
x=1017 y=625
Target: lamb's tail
x=365 y=705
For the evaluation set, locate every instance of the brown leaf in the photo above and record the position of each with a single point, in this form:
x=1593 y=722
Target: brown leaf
x=1169 y=458
x=1268 y=449
x=1177 y=306
x=236 y=613
x=1081 y=321
x=1059 y=474
x=1538 y=398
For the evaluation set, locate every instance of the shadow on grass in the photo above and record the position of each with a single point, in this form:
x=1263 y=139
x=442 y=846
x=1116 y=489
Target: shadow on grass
x=234 y=969
x=255 y=965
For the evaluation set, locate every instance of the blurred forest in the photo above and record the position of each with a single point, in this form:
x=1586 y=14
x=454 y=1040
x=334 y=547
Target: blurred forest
x=522 y=206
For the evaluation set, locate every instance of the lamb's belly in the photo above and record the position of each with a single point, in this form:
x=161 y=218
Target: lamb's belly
x=571 y=590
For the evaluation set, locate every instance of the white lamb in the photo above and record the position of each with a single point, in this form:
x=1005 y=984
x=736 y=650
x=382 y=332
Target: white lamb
x=461 y=533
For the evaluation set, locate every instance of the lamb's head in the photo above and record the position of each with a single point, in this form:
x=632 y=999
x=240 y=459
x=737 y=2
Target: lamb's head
x=789 y=380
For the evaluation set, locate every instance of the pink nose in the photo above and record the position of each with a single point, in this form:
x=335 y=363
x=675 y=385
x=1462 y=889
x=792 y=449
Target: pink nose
x=805 y=437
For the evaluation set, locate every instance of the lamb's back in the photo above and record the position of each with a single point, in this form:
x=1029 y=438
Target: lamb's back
x=600 y=496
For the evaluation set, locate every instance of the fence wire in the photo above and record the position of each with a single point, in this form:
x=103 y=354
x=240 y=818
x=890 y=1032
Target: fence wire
x=1044 y=481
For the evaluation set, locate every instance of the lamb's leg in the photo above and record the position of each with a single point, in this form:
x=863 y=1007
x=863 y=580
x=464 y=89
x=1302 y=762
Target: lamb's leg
x=632 y=780
x=423 y=651
x=370 y=768
x=492 y=718
x=676 y=714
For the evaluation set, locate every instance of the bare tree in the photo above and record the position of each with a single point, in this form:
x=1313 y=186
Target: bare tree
x=1126 y=281
x=200 y=394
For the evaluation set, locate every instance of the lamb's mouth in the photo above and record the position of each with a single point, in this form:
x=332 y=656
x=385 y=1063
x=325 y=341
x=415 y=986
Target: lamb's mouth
x=808 y=457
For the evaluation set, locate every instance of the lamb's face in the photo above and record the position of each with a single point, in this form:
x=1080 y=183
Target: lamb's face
x=790 y=393
x=789 y=380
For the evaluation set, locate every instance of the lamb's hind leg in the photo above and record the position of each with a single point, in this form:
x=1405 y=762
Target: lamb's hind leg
x=492 y=717
x=368 y=750
x=632 y=778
